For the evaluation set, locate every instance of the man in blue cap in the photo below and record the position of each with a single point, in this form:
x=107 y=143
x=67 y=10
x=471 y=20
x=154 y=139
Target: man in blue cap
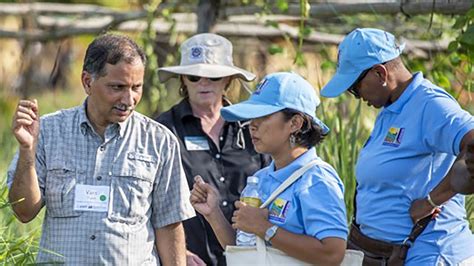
x=405 y=169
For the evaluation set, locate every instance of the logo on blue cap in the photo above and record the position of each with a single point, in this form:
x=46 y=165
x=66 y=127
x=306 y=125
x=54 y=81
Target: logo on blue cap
x=260 y=86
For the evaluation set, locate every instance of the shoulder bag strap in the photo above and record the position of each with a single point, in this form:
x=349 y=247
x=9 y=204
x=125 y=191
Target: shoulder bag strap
x=290 y=180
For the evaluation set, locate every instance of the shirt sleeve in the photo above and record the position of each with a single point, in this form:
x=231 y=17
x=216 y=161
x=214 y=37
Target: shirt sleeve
x=323 y=208
x=445 y=124
x=170 y=191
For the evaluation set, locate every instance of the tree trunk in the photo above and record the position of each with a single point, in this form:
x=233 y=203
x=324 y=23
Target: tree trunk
x=207 y=13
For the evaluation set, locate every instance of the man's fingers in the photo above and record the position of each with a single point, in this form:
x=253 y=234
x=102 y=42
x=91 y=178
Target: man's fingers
x=26 y=111
x=32 y=104
x=21 y=115
x=22 y=122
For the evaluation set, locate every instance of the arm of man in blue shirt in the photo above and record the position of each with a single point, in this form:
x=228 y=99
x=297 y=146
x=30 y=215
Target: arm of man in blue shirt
x=462 y=169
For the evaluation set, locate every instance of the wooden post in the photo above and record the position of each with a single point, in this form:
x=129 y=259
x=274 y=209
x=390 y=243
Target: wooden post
x=207 y=13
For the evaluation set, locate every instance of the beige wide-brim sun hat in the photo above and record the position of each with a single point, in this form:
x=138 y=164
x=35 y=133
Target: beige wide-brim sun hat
x=205 y=55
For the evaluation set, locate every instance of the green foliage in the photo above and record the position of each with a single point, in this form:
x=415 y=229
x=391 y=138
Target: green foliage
x=341 y=147
x=153 y=93
x=17 y=247
x=462 y=48
x=303 y=31
x=275 y=49
x=282 y=5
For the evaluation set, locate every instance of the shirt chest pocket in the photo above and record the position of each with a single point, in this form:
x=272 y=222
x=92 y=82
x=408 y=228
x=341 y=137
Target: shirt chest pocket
x=131 y=189
x=61 y=182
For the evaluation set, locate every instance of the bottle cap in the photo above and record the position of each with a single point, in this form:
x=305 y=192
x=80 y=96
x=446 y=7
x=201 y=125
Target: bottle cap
x=252 y=179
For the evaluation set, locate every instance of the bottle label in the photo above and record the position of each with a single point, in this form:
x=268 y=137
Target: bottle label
x=251 y=201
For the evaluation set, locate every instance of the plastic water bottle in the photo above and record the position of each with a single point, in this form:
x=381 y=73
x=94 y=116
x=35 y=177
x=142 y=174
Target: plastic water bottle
x=250 y=197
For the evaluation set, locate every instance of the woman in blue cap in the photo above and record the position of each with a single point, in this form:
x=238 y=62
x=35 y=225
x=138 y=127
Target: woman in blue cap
x=309 y=222
x=405 y=168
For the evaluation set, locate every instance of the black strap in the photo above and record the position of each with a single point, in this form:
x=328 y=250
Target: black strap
x=418 y=228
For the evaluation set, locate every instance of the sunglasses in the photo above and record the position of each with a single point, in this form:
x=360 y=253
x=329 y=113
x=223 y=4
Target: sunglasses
x=198 y=78
x=353 y=88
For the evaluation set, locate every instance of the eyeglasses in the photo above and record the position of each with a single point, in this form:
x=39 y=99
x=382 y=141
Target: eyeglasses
x=353 y=88
x=198 y=78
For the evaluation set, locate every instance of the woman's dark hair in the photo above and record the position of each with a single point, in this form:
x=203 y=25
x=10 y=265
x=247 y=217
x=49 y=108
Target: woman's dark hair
x=310 y=134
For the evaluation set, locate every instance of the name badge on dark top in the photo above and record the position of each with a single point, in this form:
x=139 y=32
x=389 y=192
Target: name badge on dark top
x=196 y=143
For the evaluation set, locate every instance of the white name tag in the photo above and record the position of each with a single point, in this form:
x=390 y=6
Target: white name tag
x=196 y=143
x=91 y=198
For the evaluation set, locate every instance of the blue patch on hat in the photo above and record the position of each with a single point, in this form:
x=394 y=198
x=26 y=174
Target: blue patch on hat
x=196 y=52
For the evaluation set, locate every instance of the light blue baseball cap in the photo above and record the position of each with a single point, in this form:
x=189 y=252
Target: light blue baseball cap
x=274 y=93
x=360 y=50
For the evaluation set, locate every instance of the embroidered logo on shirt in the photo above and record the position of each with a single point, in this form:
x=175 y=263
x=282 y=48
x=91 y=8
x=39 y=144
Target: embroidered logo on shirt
x=147 y=159
x=394 y=137
x=279 y=209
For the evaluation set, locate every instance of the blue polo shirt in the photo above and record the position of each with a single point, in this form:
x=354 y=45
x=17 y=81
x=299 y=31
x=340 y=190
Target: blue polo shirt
x=313 y=205
x=414 y=142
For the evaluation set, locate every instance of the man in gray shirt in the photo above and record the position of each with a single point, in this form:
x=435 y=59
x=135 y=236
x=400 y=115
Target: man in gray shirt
x=111 y=179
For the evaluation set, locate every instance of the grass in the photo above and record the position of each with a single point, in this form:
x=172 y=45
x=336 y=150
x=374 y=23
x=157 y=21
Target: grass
x=347 y=136
x=18 y=242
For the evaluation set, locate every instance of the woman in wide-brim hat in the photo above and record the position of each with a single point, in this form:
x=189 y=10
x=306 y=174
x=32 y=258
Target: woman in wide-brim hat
x=221 y=152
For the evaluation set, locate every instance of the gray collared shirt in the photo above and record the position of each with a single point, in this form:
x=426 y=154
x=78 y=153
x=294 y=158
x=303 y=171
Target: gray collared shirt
x=138 y=160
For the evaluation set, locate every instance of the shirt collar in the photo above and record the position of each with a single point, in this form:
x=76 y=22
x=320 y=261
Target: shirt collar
x=85 y=124
x=183 y=109
x=398 y=105
x=285 y=172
